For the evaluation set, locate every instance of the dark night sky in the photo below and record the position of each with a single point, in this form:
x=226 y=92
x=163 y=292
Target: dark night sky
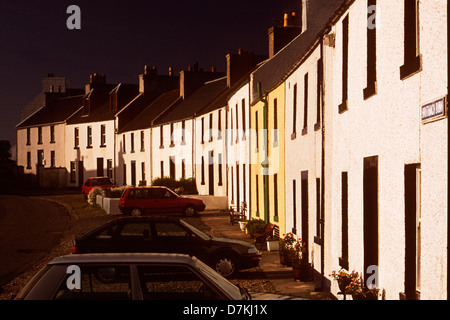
x=118 y=38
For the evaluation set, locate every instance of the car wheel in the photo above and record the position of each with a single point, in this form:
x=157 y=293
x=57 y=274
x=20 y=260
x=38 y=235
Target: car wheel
x=225 y=265
x=136 y=212
x=189 y=211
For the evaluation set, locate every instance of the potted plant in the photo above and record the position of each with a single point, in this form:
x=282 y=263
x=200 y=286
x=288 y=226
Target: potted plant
x=286 y=249
x=273 y=244
x=296 y=258
x=344 y=278
x=243 y=224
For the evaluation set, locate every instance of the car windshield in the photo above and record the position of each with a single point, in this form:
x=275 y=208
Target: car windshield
x=101 y=182
x=199 y=233
x=235 y=292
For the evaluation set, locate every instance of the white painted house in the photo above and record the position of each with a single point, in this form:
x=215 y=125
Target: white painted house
x=386 y=146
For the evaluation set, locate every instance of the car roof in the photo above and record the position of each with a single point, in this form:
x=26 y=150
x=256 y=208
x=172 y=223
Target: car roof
x=148 y=187
x=123 y=258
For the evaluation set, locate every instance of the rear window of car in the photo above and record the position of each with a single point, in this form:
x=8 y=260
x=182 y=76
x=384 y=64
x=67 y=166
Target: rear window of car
x=101 y=182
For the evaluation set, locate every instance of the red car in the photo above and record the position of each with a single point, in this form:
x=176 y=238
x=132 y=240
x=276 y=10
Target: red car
x=139 y=200
x=96 y=182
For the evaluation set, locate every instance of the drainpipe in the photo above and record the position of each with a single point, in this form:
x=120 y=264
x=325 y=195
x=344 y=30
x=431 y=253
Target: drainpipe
x=448 y=139
x=322 y=198
x=265 y=164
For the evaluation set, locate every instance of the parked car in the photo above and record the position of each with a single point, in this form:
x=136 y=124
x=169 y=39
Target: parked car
x=96 y=182
x=129 y=276
x=168 y=235
x=136 y=201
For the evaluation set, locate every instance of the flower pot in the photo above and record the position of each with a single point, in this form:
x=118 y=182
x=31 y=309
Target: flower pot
x=285 y=258
x=343 y=284
x=297 y=271
x=273 y=245
x=243 y=225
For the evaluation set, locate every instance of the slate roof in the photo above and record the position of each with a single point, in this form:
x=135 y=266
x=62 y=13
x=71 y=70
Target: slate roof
x=273 y=72
x=100 y=109
x=153 y=108
x=192 y=105
x=55 y=112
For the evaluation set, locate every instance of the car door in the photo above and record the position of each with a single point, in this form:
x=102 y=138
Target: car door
x=102 y=240
x=171 y=237
x=169 y=201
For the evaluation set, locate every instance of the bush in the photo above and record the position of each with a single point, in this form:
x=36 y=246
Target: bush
x=92 y=196
x=182 y=186
x=114 y=192
x=256 y=226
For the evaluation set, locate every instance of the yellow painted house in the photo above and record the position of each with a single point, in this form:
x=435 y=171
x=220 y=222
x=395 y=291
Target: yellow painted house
x=267 y=158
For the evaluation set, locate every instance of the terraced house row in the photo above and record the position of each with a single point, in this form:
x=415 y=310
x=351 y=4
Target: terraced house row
x=338 y=135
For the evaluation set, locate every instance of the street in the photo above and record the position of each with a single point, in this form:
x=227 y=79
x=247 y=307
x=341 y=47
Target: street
x=29 y=229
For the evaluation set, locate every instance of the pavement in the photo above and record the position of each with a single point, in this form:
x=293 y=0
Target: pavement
x=280 y=276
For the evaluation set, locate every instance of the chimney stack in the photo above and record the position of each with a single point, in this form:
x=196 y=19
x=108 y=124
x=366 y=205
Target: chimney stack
x=238 y=65
x=193 y=78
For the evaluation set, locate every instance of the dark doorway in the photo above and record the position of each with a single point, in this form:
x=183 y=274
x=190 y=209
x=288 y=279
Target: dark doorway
x=412 y=231
x=370 y=194
x=238 y=189
x=100 y=171
x=133 y=173
x=80 y=173
x=305 y=212
x=211 y=173
x=172 y=167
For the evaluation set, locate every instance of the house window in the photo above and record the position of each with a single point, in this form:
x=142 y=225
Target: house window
x=183 y=132
x=371 y=88
x=203 y=171
x=89 y=137
x=305 y=105
x=39 y=135
x=237 y=124
x=109 y=169
x=343 y=261
x=73 y=172
x=161 y=137
x=28 y=160
x=219 y=169
x=142 y=141
x=143 y=171
x=102 y=136
x=231 y=126
x=52 y=159
x=232 y=185
x=28 y=136
x=210 y=127
x=76 y=134
x=172 y=138
x=52 y=134
x=219 y=125
x=345 y=31
x=275 y=122
x=319 y=93
x=124 y=174
x=40 y=158
x=132 y=142
x=244 y=127
x=294 y=113
x=162 y=169
x=203 y=131
x=257 y=130
x=412 y=57
x=124 y=144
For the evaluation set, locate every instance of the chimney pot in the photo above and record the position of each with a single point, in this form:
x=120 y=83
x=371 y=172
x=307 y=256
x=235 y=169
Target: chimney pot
x=286 y=20
x=170 y=71
x=213 y=69
x=146 y=69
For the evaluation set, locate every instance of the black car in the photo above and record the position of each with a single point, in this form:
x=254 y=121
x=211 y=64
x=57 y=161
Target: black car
x=129 y=276
x=169 y=235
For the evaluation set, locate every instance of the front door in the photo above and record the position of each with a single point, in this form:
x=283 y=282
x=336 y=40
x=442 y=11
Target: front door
x=370 y=216
x=100 y=171
x=211 y=173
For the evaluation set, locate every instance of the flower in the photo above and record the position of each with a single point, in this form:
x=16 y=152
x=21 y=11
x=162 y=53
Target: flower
x=343 y=275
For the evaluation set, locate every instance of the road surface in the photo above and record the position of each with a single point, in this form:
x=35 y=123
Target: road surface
x=29 y=229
